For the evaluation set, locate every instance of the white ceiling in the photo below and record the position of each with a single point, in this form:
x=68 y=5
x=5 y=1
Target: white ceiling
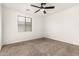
x=22 y=7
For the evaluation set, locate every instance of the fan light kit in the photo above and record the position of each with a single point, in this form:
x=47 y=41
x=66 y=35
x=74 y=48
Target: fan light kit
x=42 y=8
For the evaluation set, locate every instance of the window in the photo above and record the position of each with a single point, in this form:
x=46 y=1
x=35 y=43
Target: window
x=24 y=24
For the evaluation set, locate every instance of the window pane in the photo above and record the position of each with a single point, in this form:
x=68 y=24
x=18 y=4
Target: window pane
x=24 y=24
x=21 y=24
x=28 y=24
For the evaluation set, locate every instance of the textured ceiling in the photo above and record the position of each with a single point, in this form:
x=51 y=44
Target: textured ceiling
x=26 y=8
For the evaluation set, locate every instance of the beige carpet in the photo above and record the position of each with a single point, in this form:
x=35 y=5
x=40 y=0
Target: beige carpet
x=40 y=47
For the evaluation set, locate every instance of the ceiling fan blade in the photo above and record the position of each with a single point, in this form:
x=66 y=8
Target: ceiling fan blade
x=35 y=6
x=37 y=11
x=44 y=12
x=50 y=7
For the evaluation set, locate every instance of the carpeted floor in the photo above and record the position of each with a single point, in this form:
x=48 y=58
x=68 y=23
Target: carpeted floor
x=40 y=47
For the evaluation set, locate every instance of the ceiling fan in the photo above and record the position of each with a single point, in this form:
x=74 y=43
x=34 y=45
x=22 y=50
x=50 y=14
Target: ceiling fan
x=43 y=7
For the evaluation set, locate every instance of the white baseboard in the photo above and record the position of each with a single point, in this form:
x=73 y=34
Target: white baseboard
x=62 y=39
x=21 y=40
x=46 y=36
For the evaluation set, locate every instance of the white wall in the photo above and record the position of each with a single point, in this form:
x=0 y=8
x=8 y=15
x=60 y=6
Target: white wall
x=0 y=26
x=10 y=28
x=64 y=26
